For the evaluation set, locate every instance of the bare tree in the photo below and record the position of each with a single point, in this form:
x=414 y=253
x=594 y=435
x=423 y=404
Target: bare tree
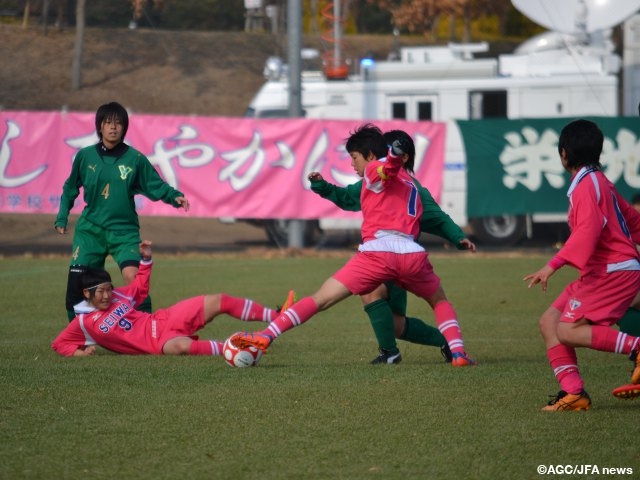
x=25 y=14
x=76 y=65
x=45 y=17
x=421 y=16
x=138 y=7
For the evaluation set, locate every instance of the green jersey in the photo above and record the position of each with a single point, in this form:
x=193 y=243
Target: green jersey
x=110 y=180
x=434 y=221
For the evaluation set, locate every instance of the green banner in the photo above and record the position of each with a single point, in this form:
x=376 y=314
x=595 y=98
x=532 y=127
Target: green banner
x=513 y=166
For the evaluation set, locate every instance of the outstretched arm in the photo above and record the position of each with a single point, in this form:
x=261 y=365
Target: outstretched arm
x=346 y=198
x=436 y=222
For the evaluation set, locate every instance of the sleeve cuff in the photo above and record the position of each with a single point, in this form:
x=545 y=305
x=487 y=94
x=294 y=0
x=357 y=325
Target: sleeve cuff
x=557 y=262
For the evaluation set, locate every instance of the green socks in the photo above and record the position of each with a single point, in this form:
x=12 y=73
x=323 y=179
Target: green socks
x=630 y=322
x=381 y=318
x=417 y=331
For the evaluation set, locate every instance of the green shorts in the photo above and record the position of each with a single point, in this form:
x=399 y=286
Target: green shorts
x=92 y=245
x=397 y=299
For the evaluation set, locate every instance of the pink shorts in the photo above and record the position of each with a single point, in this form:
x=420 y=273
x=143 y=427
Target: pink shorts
x=365 y=271
x=602 y=299
x=180 y=320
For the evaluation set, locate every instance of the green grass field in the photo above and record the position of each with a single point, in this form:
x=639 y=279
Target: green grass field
x=314 y=408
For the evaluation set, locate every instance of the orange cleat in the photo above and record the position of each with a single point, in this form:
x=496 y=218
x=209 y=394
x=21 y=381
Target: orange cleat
x=251 y=339
x=627 y=392
x=635 y=358
x=291 y=299
x=569 y=402
x=461 y=359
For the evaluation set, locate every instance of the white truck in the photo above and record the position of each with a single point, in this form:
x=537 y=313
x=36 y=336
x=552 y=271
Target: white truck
x=556 y=74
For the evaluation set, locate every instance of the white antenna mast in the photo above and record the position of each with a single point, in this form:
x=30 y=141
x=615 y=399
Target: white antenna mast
x=582 y=13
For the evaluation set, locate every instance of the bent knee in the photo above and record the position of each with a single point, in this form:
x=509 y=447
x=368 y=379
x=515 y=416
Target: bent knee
x=548 y=323
x=177 y=346
x=399 y=322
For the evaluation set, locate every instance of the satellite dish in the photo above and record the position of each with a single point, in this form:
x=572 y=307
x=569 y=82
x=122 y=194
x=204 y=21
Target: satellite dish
x=577 y=16
x=545 y=41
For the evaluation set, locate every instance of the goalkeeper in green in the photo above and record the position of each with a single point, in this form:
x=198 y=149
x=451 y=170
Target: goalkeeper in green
x=386 y=306
x=110 y=173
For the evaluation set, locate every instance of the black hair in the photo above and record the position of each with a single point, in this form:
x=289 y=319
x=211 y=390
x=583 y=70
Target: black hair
x=635 y=199
x=407 y=141
x=92 y=277
x=112 y=111
x=582 y=142
x=367 y=139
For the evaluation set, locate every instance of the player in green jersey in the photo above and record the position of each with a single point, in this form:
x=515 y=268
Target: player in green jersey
x=387 y=305
x=630 y=321
x=110 y=173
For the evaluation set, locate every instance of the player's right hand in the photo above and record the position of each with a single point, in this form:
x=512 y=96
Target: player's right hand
x=540 y=277
x=145 y=249
x=61 y=230
x=315 y=177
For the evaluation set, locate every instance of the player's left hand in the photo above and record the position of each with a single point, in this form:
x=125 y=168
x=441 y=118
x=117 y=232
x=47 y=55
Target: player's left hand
x=183 y=202
x=85 y=352
x=541 y=276
x=468 y=244
x=399 y=148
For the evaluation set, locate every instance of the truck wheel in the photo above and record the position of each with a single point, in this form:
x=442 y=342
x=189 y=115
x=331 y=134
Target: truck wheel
x=278 y=232
x=505 y=230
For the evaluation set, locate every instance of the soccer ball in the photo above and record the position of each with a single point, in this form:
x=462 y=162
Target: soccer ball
x=240 y=357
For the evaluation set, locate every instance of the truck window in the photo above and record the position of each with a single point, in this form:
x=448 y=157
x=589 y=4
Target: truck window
x=277 y=113
x=425 y=111
x=399 y=111
x=273 y=114
x=487 y=104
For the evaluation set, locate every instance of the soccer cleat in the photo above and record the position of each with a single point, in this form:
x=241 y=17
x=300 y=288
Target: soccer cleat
x=290 y=300
x=569 y=402
x=251 y=339
x=446 y=353
x=385 y=356
x=635 y=358
x=627 y=392
x=461 y=359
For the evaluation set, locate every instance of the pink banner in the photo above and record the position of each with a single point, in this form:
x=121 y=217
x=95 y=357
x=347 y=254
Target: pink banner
x=226 y=167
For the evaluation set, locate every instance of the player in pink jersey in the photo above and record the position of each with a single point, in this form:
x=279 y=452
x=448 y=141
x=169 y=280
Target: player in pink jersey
x=108 y=317
x=391 y=209
x=601 y=245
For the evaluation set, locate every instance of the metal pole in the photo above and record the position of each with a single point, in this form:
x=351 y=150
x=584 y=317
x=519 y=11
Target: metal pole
x=294 y=34
x=337 y=35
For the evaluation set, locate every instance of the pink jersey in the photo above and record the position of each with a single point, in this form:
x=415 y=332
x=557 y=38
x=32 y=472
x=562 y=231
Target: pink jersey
x=120 y=328
x=390 y=200
x=603 y=227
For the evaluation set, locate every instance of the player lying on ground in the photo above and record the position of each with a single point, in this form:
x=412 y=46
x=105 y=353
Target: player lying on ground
x=601 y=246
x=386 y=306
x=108 y=318
x=391 y=210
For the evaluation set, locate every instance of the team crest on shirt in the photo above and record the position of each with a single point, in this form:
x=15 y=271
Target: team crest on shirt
x=573 y=304
x=124 y=171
